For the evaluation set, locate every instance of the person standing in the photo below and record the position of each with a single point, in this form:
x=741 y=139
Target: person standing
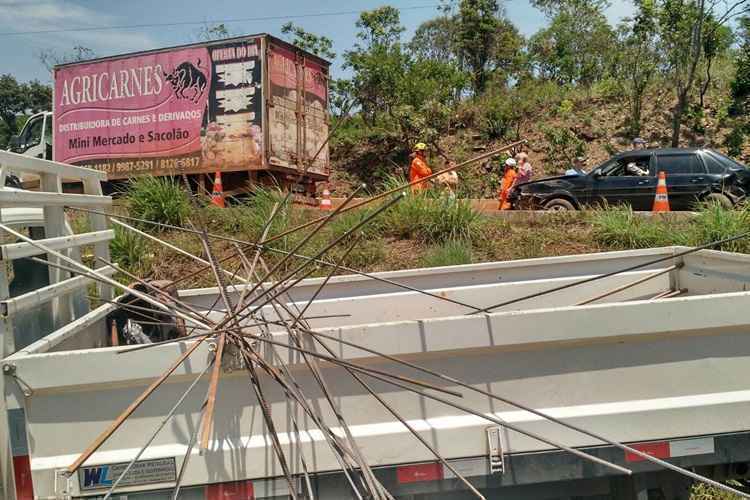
x=419 y=168
x=509 y=180
x=525 y=171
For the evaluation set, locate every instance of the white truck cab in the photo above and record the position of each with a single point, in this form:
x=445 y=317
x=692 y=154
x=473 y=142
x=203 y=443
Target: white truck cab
x=35 y=139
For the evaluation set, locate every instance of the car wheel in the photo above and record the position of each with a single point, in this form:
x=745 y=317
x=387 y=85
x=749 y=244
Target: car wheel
x=721 y=199
x=559 y=205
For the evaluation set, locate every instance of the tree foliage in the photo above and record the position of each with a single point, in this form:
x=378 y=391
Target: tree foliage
x=52 y=57
x=319 y=45
x=18 y=99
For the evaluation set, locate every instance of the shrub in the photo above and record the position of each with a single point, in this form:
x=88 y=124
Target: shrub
x=702 y=491
x=433 y=218
x=449 y=253
x=158 y=199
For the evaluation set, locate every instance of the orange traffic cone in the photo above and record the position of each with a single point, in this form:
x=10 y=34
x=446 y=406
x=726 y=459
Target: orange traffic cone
x=325 y=203
x=661 y=202
x=217 y=195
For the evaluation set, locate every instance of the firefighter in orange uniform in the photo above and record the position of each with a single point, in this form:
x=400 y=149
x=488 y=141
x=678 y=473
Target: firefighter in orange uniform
x=419 y=169
x=509 y=179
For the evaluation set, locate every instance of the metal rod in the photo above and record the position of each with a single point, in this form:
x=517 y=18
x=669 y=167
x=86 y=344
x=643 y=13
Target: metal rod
x=495 y=420
x=614 y=273
x=669 y=293
x=304 y=240
x=189 y=452
x=158 y=429
x=411 y=429
x=629 y=285
x=335 y=242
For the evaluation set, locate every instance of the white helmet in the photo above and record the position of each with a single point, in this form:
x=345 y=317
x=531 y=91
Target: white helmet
x=510 y=162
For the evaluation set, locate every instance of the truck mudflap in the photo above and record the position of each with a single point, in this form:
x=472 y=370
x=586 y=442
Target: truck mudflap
x=20 y=452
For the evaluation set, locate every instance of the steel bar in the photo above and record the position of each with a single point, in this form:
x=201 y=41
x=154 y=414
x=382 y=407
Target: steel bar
x=669 y=294
x=293 y=390
x=403 y=187
x=335 y=242
x=282 y=252
x=614 y=273
x=304 y=241
x=189 y=452
x=533 y=411
x=265 y=411
x=130 y=409
x=158 y=429
x=411 y=429
x=356 y=367
x=312 y=365
x=629 y=285
x=495 y=420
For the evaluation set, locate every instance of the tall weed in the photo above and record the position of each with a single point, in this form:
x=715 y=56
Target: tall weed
x=620 y=227
x=158 y=199
x=714 y=223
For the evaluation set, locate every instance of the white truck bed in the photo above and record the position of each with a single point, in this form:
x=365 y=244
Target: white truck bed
x=626 y=367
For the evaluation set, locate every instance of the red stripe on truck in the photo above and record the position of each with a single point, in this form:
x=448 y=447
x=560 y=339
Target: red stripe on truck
x=22 y=474
x=658 y=449
x=417 y=473
x=237 y=490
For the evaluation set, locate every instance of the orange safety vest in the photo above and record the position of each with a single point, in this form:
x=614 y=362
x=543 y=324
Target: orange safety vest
x=419 y=170
x=508 y=180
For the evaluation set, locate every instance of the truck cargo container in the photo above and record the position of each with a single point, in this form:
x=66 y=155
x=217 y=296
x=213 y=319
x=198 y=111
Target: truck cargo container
x=253 y=107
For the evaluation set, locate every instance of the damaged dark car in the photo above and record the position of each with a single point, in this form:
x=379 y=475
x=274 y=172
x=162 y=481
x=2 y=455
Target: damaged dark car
x=694 y=176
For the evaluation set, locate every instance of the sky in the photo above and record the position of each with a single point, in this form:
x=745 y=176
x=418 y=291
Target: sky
x=19 y=52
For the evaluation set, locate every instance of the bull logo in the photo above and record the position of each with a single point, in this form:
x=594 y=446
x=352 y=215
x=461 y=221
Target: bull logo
x=187 y=78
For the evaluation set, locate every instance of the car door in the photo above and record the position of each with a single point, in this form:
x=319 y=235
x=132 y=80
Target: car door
x=614 y=185
x=687 y=178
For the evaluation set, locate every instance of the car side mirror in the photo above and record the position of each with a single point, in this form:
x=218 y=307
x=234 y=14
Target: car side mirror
x=596 y=174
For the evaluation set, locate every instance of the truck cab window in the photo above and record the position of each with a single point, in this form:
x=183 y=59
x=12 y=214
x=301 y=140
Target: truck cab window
x=33 y=133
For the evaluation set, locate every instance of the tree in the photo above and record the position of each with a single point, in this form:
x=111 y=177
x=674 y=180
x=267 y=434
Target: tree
x=740 y=86
x=638 y=60
x=478 y=27
x=436 y=39
x=51 y=58
x=379 y=27
x=319 y=45
x=576 y=46
x=16 y=99
x=716 y=43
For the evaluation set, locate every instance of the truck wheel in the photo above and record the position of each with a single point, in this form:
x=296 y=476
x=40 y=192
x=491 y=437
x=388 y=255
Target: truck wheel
x=559 y=205
x=721 y=199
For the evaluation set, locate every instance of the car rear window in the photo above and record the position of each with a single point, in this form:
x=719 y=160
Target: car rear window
x=680 y=164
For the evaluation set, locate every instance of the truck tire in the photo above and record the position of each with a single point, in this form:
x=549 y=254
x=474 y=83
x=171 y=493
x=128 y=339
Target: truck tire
x=721 y=199
x=559 y=205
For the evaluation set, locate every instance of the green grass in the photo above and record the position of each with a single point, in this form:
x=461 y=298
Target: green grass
x=158 y=199
x=621 y=228
x=128 y=249
x=702 y=491
x=450 y=253
x=715 y=223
